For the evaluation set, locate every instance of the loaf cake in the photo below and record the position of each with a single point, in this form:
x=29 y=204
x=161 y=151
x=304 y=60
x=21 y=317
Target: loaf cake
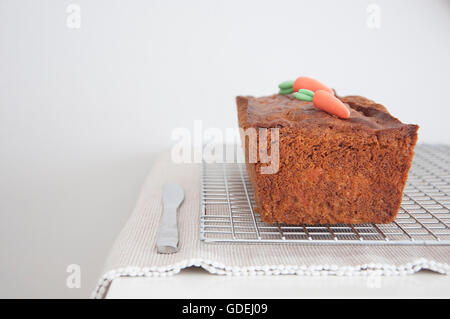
x=331 y=170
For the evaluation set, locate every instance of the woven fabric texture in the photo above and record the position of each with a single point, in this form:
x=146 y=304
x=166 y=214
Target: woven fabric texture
x=134 y=251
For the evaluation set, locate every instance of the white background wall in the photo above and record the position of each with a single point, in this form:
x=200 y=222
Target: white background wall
x=84 y=111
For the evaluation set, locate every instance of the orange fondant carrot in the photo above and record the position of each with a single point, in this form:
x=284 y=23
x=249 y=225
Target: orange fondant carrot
x=330 y=104
x=304 y=82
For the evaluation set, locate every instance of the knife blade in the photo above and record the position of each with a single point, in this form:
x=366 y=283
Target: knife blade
x=167 y=242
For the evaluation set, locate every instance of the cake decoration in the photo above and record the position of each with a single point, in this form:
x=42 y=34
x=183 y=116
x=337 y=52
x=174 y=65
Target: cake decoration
x=311 y=84
x=329 y=103
x=304 y=82
x=285 y=91
x=304 y=95
x=311 y=90
x=286 y=87
x=289 y=84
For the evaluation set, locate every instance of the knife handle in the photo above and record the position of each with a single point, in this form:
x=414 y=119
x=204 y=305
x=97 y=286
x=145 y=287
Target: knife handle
x=167 y=242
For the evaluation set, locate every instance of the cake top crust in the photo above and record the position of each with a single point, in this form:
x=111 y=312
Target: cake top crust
x=287 y=111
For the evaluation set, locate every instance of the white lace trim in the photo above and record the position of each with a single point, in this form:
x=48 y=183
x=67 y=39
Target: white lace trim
x=371 y=269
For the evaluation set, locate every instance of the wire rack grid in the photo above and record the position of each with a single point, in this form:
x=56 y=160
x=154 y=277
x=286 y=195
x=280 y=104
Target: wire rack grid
x=228 y=209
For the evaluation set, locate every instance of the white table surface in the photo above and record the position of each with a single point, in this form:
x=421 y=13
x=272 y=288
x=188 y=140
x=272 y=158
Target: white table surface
x=197 y=283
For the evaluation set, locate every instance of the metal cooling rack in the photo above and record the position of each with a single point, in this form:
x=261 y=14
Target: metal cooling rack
x=424 y=218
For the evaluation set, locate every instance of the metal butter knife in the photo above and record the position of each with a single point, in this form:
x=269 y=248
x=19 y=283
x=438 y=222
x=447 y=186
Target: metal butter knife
x=173 y=196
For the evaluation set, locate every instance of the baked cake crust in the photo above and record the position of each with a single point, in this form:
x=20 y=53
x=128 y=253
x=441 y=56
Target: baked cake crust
x=331 y=170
